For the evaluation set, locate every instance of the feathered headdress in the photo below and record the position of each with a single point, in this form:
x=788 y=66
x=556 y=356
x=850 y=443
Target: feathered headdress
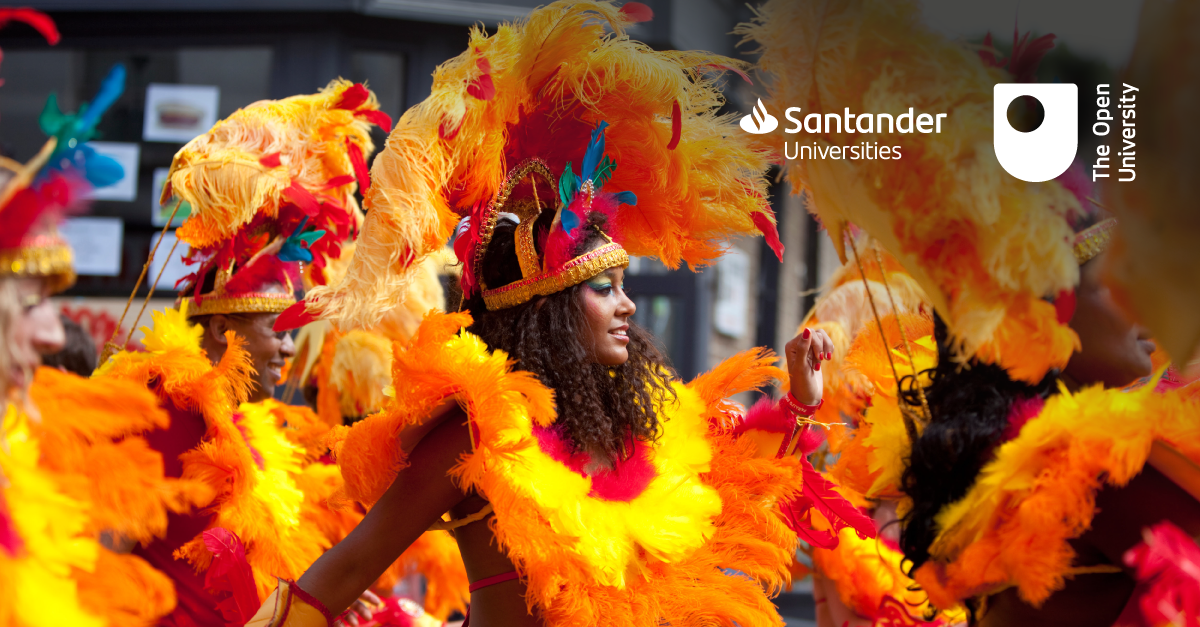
x=987 y=248
x=265 y=185
x=534 y=93
x=35 y=196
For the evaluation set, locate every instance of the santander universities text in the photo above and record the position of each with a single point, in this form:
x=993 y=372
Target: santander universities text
x=816 y=123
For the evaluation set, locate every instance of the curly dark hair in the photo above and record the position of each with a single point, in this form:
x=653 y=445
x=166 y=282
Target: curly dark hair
x=970 y=407
x=599 y=407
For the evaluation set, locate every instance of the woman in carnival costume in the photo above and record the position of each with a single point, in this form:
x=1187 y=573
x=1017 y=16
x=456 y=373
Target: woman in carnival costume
x=1026 y=481
x=584 y=484
x=75 y=473
x=270 y=188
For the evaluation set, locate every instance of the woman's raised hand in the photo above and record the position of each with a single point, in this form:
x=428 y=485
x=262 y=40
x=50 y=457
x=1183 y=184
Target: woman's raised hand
x=804 y=353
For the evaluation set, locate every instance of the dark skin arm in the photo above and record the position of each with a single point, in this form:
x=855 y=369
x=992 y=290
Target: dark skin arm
x=418 y=496
x=1121 y=514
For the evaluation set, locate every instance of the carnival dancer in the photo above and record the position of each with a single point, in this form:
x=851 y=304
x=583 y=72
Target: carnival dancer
x=271 y=188
x=73 y=467
x=1028 y=481
x=585 y=484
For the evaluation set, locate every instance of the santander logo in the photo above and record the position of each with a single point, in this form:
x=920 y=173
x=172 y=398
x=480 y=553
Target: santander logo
x=759 y=121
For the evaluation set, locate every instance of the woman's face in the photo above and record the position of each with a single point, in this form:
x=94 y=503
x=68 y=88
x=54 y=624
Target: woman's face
x=1115 y=351
x=36 y=331
x=607 y=310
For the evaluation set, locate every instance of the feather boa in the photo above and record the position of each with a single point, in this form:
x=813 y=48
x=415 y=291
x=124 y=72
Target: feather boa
x=83 y=436
x=87 y=444
x=1039 y=490
x=36 y=582
x=244 y=458
x=658 y=557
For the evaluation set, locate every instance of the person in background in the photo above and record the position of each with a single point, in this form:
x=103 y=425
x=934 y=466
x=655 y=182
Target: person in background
x=78 y=354
x=282 y=196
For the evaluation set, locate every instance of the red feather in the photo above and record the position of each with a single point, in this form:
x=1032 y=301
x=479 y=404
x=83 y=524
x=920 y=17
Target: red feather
x=637 y=12
x=360 y=167
x=988 y=53
x=770 y=233
x=339 y=181
x=265 y=271
x=447 y=134
x=819 y=494
x=1167 y=564
x=303 y=199
x=270 y=161
x=766 y=415
x=294 y=317
x=1027 y=55
x=10 y=542
x=378 y=118
x=482 y=88
x=38 y=20
x=229 y=577
x=676 y=125
x=1064 y=306
x=353 y=98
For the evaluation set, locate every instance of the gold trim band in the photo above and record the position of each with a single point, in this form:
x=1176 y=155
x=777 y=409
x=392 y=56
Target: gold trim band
x=1093 y=240
x=253 y=302
x=572 y=273
x=54 y=262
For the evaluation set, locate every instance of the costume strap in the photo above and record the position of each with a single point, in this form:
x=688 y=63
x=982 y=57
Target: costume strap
x=487 y=582
x=291 y=606
x=450 y=525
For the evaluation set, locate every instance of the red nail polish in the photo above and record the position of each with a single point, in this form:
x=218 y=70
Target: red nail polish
x=806 y=334
x=828 y=355
x=818 y=366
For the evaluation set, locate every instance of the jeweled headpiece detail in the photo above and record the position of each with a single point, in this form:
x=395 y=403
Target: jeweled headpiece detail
x=265 y=186
x=529 y=191
x=1092 y=241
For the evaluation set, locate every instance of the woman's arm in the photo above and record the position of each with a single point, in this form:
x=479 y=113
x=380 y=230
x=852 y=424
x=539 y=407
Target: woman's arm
x=419 y=495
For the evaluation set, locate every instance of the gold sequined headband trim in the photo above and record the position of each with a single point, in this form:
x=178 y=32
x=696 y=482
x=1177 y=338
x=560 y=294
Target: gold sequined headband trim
x=1093 y=240
x=572 y=273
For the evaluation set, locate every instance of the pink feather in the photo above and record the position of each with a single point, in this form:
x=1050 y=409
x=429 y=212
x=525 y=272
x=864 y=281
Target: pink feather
x=819 y=494
x=229 y=577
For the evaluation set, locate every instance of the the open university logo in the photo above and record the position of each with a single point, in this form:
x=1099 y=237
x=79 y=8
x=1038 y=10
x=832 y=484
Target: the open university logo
x=759 y=121
x=1045 y=152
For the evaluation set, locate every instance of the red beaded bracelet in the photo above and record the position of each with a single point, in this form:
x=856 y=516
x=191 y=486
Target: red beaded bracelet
x=796 y=408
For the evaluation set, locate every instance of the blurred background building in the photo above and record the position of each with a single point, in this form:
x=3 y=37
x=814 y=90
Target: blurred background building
x=238 y=51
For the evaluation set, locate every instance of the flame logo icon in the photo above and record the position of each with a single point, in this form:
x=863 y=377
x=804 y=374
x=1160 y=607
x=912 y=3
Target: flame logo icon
x=759 y=121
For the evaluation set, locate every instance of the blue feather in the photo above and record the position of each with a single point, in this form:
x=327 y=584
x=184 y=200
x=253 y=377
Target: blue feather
x=594 y=153
x=111 y=89
x=626 y=198
x=100 y=170
x=569 y=221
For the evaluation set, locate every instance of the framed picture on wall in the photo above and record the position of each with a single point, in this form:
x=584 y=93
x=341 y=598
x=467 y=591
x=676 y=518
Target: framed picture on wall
x=178 y=113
